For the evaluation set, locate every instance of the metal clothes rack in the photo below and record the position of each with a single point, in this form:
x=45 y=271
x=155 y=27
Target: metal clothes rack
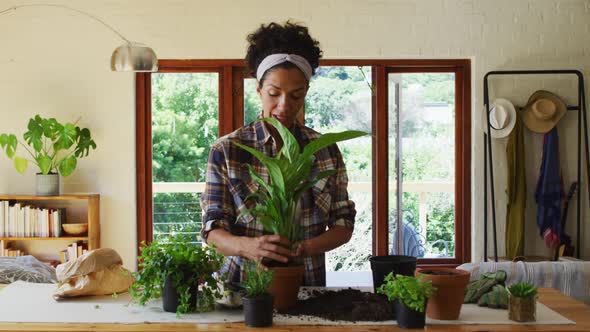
x=488 y=162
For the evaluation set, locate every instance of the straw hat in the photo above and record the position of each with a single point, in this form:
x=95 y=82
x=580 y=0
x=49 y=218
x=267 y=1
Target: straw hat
x=543 y=111
x=502 y=118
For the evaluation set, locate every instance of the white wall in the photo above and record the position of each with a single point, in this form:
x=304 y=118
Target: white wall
x=56 y=63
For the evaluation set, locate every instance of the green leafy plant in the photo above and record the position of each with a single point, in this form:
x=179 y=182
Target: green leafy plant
x=256 y=281
x=288 y=179
x=186 y=263
x=52 y=146
x=411 y=291
x=522 y=289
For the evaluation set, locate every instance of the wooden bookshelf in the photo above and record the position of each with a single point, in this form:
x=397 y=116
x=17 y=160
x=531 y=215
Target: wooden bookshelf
x=61 y=238
x=91 y=204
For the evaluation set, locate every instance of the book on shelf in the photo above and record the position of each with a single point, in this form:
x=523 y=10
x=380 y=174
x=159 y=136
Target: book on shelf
x=73 y=251
x=18 y=220
x=6 y=250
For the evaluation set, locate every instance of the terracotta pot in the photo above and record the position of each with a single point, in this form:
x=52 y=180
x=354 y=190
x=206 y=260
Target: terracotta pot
x=285 y=286
x=258 y=310
x=446 y=302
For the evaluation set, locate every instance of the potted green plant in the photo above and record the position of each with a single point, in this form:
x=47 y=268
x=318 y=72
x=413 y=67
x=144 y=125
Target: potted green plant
x=277 y=200
x=410 y=296
x=257 y=300
x=173 y=268
x=53 y=147
x=522 y=302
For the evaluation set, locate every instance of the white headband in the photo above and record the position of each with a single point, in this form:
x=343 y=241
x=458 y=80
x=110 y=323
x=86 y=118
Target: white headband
x=278 y=58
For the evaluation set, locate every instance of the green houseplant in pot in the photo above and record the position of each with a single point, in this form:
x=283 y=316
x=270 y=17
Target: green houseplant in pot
x=53 y=147
x=257 y=300
x=173 y=268
x=410 y=296
x=522 y=302
x=277 y=200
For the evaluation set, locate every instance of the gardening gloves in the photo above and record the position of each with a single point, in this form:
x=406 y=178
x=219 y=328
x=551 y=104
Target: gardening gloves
x=496 y=298
x=477 y=288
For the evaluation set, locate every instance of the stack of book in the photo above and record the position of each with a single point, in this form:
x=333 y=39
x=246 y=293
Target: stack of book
x=18 y=220
x=73 y=251
x=6 y=250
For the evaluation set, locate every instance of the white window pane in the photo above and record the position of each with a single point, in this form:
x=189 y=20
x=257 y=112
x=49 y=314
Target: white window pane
x=185 y=108
x=339 y=99
x=426 y=105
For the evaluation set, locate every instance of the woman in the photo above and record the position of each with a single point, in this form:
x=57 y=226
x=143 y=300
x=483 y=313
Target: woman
x=283 y=58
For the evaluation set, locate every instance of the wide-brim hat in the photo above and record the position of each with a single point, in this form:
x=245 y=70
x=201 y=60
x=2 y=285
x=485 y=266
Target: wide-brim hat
x=543 y=111
x=502 y=118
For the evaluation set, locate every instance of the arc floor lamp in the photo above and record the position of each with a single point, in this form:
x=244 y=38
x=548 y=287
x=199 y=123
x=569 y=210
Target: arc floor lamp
x=131 y=56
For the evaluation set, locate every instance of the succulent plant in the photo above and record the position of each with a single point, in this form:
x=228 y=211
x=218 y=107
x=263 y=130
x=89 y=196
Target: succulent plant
x=522 y=289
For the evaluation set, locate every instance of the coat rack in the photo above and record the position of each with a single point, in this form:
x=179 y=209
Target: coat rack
x=488 y=162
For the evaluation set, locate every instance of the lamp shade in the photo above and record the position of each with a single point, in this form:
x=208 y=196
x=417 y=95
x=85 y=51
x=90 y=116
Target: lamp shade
x=134 y=57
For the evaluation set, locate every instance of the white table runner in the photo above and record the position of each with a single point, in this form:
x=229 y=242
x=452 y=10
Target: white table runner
x=33 y=303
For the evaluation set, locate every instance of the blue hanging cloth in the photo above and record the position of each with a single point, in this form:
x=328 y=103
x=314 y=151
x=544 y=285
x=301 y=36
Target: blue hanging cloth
x=548 y=194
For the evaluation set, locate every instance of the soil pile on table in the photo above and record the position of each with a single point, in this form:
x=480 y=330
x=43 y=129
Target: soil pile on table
x=346 y=304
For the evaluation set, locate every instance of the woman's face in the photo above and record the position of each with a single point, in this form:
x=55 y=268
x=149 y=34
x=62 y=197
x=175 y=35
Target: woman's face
x=283 y=94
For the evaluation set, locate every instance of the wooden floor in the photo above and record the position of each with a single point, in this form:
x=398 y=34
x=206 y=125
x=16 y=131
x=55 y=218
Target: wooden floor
x=572 y=309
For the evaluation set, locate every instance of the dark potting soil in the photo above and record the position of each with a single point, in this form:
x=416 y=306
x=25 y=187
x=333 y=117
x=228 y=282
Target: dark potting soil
x=346 y=304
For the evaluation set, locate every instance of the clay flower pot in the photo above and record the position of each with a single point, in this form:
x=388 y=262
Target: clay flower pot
x=398 y=264
x=450 y=285
x=285 y=286
x=258 y=310
x=408 y=318
x=522 y=309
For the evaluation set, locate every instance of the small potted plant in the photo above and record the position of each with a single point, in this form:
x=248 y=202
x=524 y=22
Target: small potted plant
x=522 y=302
x=410 y=296
x=173 y=268
x=277 y=200
x=53 y=147
x=256 y=299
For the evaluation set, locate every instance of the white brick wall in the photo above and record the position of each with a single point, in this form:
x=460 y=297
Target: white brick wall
x=56 y=63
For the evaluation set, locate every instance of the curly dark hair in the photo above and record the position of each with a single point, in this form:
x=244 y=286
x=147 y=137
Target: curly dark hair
x=291 y=38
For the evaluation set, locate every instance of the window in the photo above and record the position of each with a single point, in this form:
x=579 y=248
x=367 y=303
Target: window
x=183 y=108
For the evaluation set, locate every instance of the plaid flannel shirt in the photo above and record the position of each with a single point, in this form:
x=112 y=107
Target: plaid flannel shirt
x=228 y=183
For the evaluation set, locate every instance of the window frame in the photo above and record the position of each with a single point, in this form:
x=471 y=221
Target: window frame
x=231 y=75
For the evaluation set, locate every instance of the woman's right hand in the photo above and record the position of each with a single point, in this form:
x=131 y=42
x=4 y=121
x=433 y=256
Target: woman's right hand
x=270 y=246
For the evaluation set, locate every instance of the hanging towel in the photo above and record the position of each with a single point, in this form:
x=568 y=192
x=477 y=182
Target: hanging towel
x=548 y=194
x=516 y=192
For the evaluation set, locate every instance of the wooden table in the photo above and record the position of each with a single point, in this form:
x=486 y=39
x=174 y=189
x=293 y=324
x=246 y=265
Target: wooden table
x=570 y=308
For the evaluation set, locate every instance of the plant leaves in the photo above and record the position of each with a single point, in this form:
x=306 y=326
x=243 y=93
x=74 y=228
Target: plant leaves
x=33 y=136
x=67 y=166
x=288 y=177
x=329 y=139
x=9 y=144
x=84 y=142
x=20 y=164
x=44 y=163
x=290 y=146
x=66 y=137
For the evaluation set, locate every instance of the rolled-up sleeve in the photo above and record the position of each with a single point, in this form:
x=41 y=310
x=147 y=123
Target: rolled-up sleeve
x=216 y=201
x=342 y=211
